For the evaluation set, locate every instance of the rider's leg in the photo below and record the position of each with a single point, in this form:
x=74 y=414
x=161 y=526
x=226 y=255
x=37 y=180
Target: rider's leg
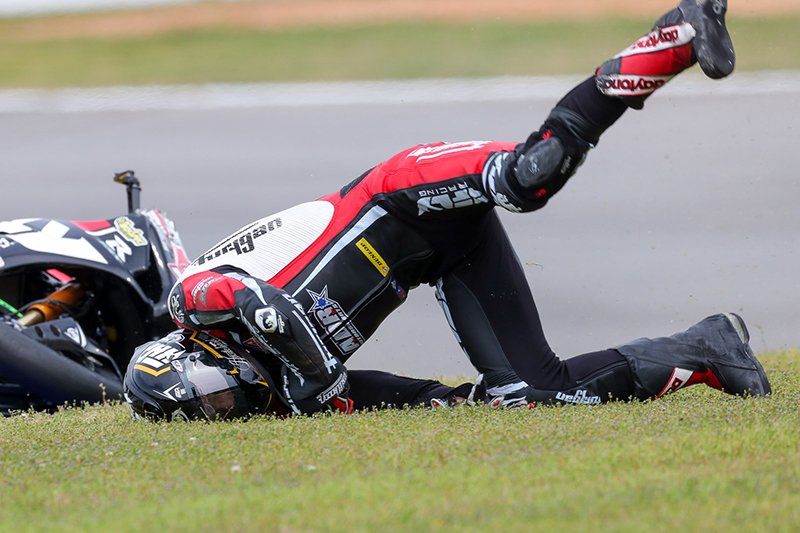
x=694 y=32
x=372 y=389
x=493 y=315
x=491 y=310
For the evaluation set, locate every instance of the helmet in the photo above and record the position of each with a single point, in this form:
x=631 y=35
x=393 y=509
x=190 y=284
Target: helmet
x=189 y=375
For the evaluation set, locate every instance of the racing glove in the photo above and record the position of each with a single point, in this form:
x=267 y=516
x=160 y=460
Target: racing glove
x=466 y=393
x=516 y=400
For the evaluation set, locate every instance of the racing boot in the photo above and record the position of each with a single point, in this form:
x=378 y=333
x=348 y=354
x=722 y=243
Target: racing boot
x=693 y=32
x=714 y=351
x=712 y=44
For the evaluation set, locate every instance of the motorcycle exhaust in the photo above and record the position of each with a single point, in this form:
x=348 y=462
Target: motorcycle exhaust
x=71 y=294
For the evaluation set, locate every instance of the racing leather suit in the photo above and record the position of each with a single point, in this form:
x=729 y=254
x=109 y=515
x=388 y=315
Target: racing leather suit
x=311 y=284
x=343 y=263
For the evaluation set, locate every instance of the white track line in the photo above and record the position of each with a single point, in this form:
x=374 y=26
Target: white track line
x=233 y=96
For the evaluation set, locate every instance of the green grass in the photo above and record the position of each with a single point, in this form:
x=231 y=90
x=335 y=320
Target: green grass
x=698 y=459
x=396 y=51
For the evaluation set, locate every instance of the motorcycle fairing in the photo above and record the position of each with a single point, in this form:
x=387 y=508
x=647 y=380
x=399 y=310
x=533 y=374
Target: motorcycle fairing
x=172 y=247
x=118 y=243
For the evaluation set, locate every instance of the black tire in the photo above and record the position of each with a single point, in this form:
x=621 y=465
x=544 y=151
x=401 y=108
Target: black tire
x=15 y=398
x=49 y=374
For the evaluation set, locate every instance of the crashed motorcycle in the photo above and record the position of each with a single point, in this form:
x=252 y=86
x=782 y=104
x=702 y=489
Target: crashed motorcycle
x=77 y=297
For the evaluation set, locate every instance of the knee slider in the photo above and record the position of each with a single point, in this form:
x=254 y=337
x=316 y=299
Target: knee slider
x=550 y=157
x=539 y=164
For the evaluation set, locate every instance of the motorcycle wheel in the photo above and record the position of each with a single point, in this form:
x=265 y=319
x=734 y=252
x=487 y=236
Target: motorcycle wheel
x=15 y=398
x=51 y=375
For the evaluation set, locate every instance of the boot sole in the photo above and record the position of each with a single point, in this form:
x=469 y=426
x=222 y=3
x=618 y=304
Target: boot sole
x=713 y=46
x=741 y=330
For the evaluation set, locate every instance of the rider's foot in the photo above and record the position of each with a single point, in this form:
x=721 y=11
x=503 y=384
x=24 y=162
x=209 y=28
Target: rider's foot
x=693 y=32
x=741 y=372
x=715 y=351
x=712 y=45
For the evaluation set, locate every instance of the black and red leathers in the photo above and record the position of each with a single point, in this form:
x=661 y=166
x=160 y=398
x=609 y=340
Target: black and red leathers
x=310 y=284
x=346 y=261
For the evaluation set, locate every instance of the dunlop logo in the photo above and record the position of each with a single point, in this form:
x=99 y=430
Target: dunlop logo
x=373 y=256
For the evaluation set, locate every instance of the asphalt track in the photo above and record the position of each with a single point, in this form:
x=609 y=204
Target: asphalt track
x=685 y=209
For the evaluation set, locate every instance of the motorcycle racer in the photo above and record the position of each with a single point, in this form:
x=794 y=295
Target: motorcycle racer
x=310 y=284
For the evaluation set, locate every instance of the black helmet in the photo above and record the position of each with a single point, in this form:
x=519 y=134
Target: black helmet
x=190 y=375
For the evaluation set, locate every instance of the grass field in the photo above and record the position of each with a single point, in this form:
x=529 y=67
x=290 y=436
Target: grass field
x=697 y=460
x=373 y=51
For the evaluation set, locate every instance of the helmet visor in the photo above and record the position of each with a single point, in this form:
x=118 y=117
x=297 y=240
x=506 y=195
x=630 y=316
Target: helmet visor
x=221 y=394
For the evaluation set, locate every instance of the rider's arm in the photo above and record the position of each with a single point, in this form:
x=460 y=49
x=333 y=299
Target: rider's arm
x=225 y=299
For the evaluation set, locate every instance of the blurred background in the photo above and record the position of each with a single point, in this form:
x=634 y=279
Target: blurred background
x=230 y=110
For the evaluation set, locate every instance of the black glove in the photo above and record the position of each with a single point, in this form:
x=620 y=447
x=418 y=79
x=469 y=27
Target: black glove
x=466 y=393
x=517 y=399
